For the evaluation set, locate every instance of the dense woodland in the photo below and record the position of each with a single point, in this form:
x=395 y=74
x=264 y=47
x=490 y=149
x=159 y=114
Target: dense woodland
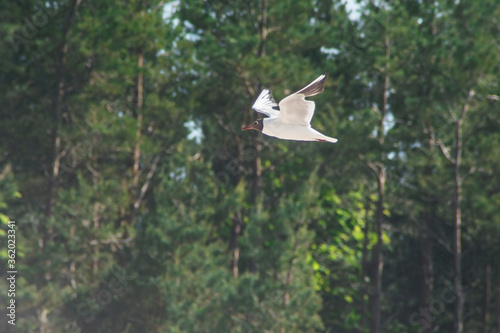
x=140 y=206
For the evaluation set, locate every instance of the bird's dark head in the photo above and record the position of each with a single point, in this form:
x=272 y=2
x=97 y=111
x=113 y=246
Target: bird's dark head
x=257 y=125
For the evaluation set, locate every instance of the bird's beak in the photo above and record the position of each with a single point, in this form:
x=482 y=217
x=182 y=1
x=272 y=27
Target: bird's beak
x=246 y=128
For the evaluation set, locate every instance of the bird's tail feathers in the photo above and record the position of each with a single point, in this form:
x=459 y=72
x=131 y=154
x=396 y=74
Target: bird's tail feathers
x=325 y=138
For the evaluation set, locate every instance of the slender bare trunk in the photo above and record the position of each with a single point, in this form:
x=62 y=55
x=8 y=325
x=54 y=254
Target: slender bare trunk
x=427 y=241
x=457 y=201
x=263 y=30
x=55 y=137
x=427 y=267
x=457 y=226
x=256 y=184
x=380 y=172
x=257 y=177
x=55 y=140
x=233 y=243
x=457 y=234
x=137 y=147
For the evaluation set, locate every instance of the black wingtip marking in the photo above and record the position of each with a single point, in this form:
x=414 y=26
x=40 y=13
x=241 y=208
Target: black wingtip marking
x=315 y=88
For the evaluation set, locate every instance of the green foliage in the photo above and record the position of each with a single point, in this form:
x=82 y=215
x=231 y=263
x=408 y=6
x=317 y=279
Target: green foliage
x=148 y=223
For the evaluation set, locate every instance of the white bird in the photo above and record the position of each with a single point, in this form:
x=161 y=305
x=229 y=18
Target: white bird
x=293 y=120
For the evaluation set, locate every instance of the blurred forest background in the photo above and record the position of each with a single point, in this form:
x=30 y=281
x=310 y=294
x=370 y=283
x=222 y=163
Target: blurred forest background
x=140 y=206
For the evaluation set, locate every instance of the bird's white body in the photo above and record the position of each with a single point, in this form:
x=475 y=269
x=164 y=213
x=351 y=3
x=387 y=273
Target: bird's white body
x=273 y=127
x=293 y=120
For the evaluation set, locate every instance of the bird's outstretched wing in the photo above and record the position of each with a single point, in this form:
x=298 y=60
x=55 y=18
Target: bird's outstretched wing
x=295 y=109
x=265 y=104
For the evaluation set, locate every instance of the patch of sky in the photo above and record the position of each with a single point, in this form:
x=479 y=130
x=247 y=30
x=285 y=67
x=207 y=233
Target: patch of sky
x=330 y=52
x=389 y=122
x=179 y=174
x=195 y=131
x=353 y=9
x=168 y=12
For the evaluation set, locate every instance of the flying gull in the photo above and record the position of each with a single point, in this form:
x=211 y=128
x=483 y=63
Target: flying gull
x=293 y=120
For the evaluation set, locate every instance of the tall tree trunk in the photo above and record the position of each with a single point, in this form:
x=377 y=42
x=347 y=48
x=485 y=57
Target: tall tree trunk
x=137 y=147
x=139 y=103
x=55 y=139
x=380 y=172
x=256 y=182
x=457 y=226
x=427 y=267
x=256 y=186
x=55 y=136
x=427 y=264
x=233 y=243
x=257 y=176
x=457 y=234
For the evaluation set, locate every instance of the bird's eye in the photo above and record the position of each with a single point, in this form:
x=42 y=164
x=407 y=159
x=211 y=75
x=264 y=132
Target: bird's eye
x=255 y=122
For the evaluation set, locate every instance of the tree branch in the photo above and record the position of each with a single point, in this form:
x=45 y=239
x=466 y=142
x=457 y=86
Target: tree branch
x=446 y=152
x=146 y=183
